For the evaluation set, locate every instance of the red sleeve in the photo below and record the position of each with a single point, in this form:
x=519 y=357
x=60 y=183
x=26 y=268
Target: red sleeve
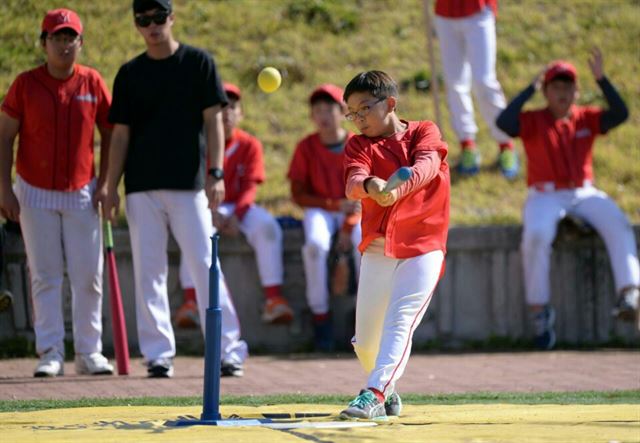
x=104 y=103
x=13 y=105
x=357 y=168
x=255 y=175
x=427 y=155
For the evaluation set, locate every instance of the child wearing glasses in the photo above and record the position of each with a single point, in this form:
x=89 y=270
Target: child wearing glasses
x=317 y=186
x=167 y=113
x=404 y=233
x=54 y=110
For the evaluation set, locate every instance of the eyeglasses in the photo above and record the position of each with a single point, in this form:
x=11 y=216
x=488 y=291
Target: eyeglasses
x=364 y=111
x=64 y=40
x=159 y=18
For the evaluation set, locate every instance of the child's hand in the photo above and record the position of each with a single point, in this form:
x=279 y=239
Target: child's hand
x=537 y=80
x=350 y=206
x=595 y=63
x=375 y=189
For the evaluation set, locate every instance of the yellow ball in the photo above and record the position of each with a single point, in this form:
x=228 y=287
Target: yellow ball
x=269 y=79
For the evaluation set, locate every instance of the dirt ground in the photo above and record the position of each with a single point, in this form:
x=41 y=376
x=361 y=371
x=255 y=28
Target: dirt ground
x=602 y=370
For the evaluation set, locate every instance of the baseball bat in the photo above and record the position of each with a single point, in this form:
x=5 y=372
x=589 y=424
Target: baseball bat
x=397 y=178
x=117 y=314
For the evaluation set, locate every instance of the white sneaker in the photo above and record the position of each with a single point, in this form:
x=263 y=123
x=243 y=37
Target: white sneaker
x=51 y=364
x=93 y=364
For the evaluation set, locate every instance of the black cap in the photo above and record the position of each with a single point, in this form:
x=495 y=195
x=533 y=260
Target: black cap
x=145 y=5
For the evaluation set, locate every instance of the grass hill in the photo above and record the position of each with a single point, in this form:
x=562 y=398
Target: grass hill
x=317 y=41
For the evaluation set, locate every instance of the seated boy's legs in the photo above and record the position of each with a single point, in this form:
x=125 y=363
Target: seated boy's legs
x=601 y=212
x=319 y=226
x=190 y=222
x=187 y=315
x=264 y=234
x=147 y=218
x=83 y=246
x=542 y=212
x=42 y=234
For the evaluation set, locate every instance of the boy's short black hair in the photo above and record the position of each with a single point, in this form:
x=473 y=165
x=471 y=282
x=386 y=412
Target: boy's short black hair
x=377 y=83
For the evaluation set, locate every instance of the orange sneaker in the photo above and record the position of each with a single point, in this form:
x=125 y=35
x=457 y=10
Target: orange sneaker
x=277 y=311
x=187 y=316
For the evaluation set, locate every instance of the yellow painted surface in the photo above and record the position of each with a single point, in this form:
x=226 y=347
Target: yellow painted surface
x=443 y=424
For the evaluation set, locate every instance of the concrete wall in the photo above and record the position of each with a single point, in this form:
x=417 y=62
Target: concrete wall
x=480 y=297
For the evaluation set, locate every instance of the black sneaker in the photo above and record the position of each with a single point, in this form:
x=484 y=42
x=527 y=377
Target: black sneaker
x=160 y=368
x=393 y=405
x=627 y=304
x=231 y=369
x=543 y=321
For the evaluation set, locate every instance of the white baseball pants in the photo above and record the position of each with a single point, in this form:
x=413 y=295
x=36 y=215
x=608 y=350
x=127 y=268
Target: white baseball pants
x=150 y=214
x=393 y=296
x=468 y=54
x=319 y=226
x=264 y=234
x=52 y=237
x=543 y=211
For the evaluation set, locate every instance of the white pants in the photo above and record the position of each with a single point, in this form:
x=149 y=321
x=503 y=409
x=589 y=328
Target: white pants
x=393 y=295
x=264 y=234
x=50 y=238
x=319 y=226
x=468 y=53
x=150 y=214
x=543 y=211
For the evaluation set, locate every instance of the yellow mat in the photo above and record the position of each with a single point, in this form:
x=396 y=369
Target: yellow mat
x=476 y=423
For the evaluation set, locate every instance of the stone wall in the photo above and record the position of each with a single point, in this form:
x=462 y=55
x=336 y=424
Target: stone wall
x=480 y=298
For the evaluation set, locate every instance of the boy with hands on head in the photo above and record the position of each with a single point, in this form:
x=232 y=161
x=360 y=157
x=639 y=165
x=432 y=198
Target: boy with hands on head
x=558 y=141
x=404 y=234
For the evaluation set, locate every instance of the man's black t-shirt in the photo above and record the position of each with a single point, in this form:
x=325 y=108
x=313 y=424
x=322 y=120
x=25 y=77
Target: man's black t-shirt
x=162 y=102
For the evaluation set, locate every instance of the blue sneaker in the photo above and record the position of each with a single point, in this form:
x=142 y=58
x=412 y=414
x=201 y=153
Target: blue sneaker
x=469 y=162
x=545 y=336
x=393 y=405
x=508 y=164
x=366 y=406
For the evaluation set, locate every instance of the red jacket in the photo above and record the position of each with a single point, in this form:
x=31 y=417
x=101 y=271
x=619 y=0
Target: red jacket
x=560 y=151
x=463 y=8
x=418 y=222
x=57 y=123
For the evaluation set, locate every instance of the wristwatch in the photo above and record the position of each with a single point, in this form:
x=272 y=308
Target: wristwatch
x=216 y=173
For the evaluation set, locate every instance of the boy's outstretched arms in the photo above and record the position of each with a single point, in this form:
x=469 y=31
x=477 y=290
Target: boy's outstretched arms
x=509 y=119
x=617 y=112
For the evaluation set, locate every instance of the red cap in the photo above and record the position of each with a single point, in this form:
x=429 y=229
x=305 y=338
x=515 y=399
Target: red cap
x=333 y=91
x=232 y=89
x=58 y=19
x=560 y=68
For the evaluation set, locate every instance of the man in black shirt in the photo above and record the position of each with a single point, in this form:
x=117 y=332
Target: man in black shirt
x=166 y=113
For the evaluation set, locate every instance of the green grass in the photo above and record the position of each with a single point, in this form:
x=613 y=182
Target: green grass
x=583 y=398
x=315 y=41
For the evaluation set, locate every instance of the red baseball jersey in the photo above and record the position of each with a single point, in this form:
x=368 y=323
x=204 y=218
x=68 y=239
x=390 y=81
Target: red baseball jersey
x=243 y=170
x=418 y=222
x=57 y=122
x=463 y=8
x=318 y=167
x=560 y=150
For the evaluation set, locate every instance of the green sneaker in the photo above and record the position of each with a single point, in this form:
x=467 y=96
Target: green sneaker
x=469 y=162
x=367 y=406
x=508 y=163
x=393 y=405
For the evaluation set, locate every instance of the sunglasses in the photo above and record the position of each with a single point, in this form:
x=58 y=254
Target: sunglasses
x=159 y=18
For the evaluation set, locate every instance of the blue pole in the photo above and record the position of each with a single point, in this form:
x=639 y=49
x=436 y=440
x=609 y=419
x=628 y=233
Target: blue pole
x=213 y=333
